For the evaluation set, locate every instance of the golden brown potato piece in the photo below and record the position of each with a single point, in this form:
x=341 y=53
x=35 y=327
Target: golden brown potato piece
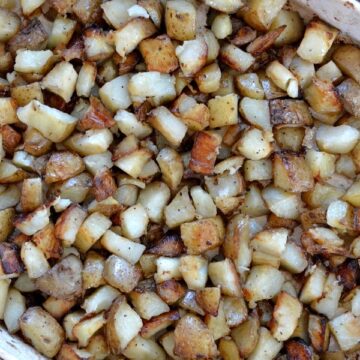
x=96 y=116
x=347 y=58
x=244 y=35
x=204 y=152
x=75 y=49
x=347 y=273
x=159 y=54
x=6 y=220
x=193 y=339
x=47 y=242
x=42 y=330
x=35 y=143
x=298 y=350
x=63 y=165
x=158 y=323
x=87 y=11
x=290 y=113
x=10 y=138
x=10 y=259
x=349 y=91
x=209 y=299
x=264 y=42
x=104 y=184
x=318 y=332
x=31 y=37
x=170 y=291
x=201 y=235
x=63 y=280
x=292 y=173
x=93 y=270
x=169 y=245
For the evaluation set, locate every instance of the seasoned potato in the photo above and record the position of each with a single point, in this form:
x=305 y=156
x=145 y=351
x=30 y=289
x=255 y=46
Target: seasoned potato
x=42 y=330
x=347 y=58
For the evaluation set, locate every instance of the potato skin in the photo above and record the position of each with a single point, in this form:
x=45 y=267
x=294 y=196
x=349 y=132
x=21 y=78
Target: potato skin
x=42 y=330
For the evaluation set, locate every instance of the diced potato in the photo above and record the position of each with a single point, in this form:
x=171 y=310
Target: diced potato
x=180 y=20
x=87 y=327
x=267 y=347
x=194 y=271
x=97 y=44
x=116 y=12
x=93 y=270
x=6 y=219
x=140 y=348
x=122 y=326
x=61 y=32
x=286 y=314
x=58 y=307
x=171 y=127
x=10 y=24
x=314 y=285
x=42 y=330
x=8 y=111
x=258 y=15
x=128 y=37
x=263 y=282
x=293 y=258
x=23 y=94
x=52 y=123
x=193 y=338
x=336 y=139
x=134 y=221
x=272 y=242
x=223 y=110
x=31 y=194
x=317 y=41
x=353 y=194
x=303 y=70
x=294 y=27
x=249 y=86
x=172 y=167
x=167 y=269
x=253 y=144
x=289 y=113
x=322 y=195
x=86 y=79
x=30 y=223
x=208 y=78
x=349 y=91
x=180 y=209
x=345 y=328
x=33 y=61
x=228 y=349
x=236 y=58
x=256 y=112
x=4 y=287
x=121 y=274
x=329 y=72
x=15 y=307
x=347 y=58
x=115 y=95
x=148 y=304
x=258 y=170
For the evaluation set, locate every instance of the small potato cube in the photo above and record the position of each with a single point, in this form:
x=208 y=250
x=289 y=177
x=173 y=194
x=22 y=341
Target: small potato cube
x=223 y=110
x=121 y=274
x=128 y=37
x=347 y=58
x=8 y=111
x=236 y=58
x=171 y=127
x=204 y=204
x=10 y=24
x=120 y=246
x=148 y=304
x=194 y=339
x=249 y=85
x=349 y=91
x=336 y=139
x=172 y=167
x=257 y=170
x=96 y=44
x=293 y=258
x=140 y=348
x=134 y=221
x=345 y=328
x=86 y=79
x=61 y=32
x=58 y=307
x=87 y=327
x=267 y=347
x=159 y=54
x=114 y=94
x=314 y=285
x=91 y=230
x=253 y=145
x=167 y=269
x=42 y=330
x=122 y=326
x=224 y=274
x=329 y=72
x=33 y=61
x=217 y=324
x=208 y=78
x=15 y=307
x=228 y=349
x=31 y=194
x=192 y=56
x=30 y=223
x=180 y=20
x=47 y=242
x=286 y=314
x=263 y=282
x=290 y=113
x=291 y=173
x=272 y=242
x=194 y=271
x=23 y=94
x=6 y=219
x=200 y=236
x=221 y=26
x=92 y=275
x=50 y=122
x=116 y=12
x=352 y=195
x=256 y=112
x=317 y=41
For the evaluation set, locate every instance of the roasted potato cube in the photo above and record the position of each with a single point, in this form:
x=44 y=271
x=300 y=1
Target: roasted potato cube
x=63 y=281
x=86 y=80
x=6 y=219
x=193 y=339
x=30 y=223
x=127 y=38
x=58 y=307
x=159 y=54
x=180 y=20
x=42 y=330
x=9 y=197
x=228 y=349
x=61 y=32
x=267 y=347
x=317 y=41
x=209 y=299
x=87 y=327
x=33 y=61
x=10 y=259
x=97 y=45
x=116 y=13
x=23 y=94
x=122 y=326
x=92 y=275
x=8 y=111
x=223 y=110
x=349 y=91
x=87 y=11
x=15 y=307
x=347 y=58
x=140 y=348
x=158 y=323
x=114 y=94
x=47 y=242
x=236 y=58
x=290 y=113
x=11 y=24
x=172 y=167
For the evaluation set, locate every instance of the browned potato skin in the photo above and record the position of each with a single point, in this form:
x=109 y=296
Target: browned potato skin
x=6 y=219
x=43 y=331
x=87 y=11
x=158 y=323
x=209 y=299
x=349 y=91
x=244 y=35
x=193 y=339
x=290 y=113
x=67 y=352
x=169 y=245
x=348 y=273
x=62 y=166
x=104 y=185
x=10 y=259
x=170 y=291
x=31 y=37
x=93 y=270
x=311 y=217
x=293 y=166
x=11 y=138
x=35 y=143
x=159 y=54
x=63 y=280
x=47 y=242
x=298 y=350
x=318 y=333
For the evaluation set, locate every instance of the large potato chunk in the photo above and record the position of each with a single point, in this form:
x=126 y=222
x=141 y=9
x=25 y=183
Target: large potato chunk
x=42 y=330
x=122 y=326
x=10 y=24
x=347 y=58
x=193 y=339
x=63 y=280
x=52 y=123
